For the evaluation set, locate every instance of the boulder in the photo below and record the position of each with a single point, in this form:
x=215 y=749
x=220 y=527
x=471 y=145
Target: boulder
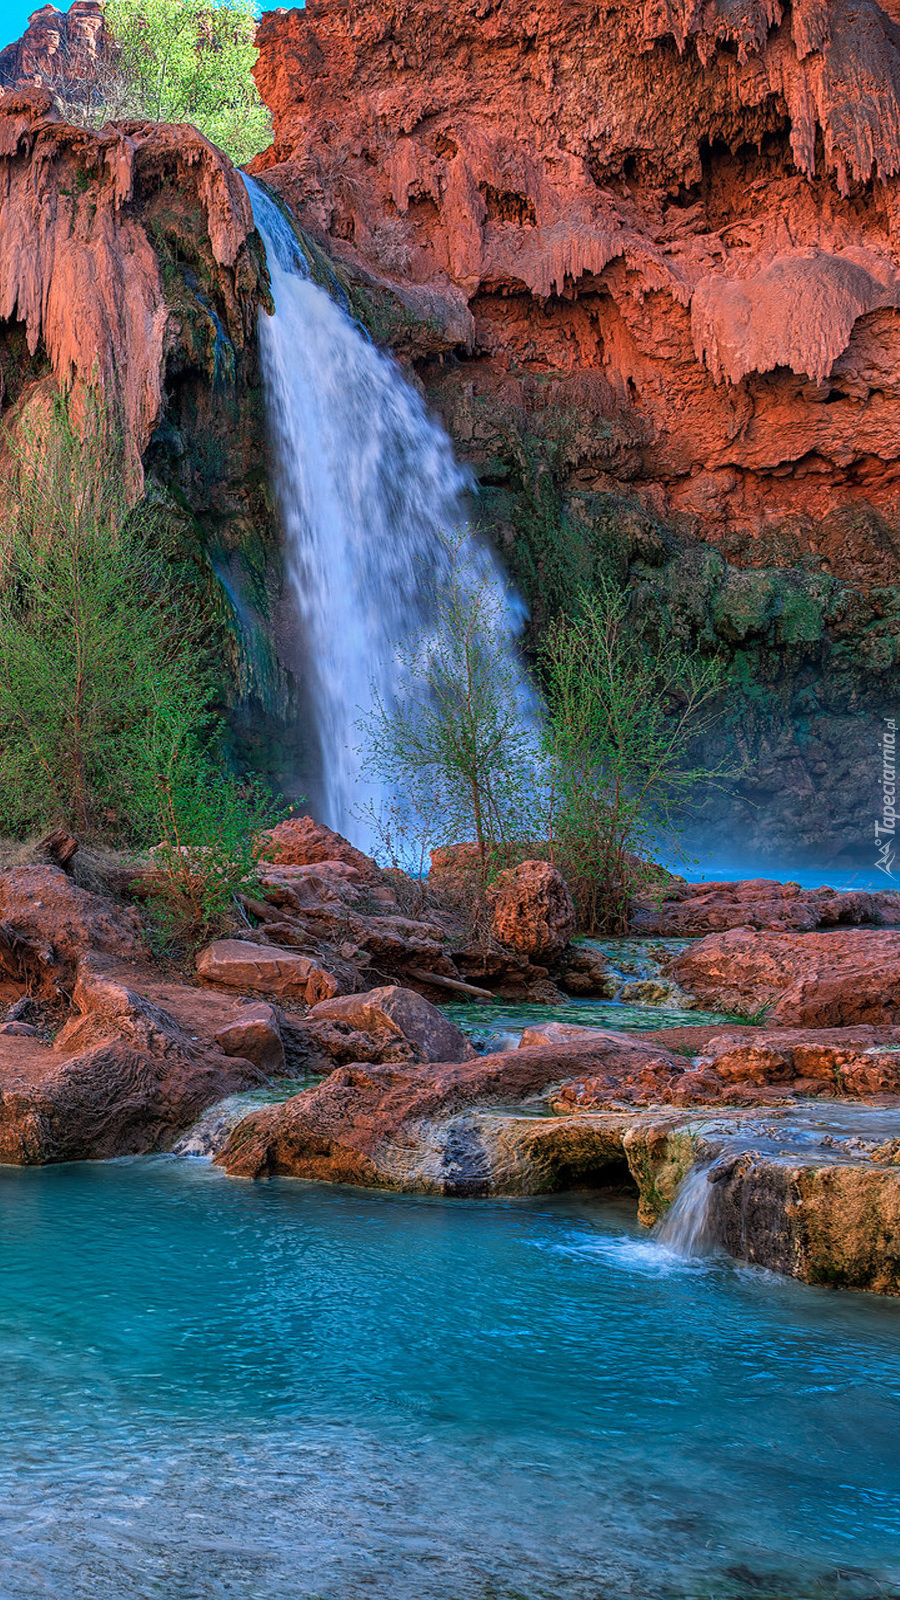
x=122 y=1077
x=584 y=971
x=399 y=1011
x=301 y=842
x=255 y=1035
x=819 y=980
x=267 y=969
x=47 y=923
x=111 y=1099
x=532 y=910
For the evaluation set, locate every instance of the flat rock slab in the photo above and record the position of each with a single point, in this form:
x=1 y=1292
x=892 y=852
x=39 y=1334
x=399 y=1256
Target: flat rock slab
x=818 y=980
x=266 y=969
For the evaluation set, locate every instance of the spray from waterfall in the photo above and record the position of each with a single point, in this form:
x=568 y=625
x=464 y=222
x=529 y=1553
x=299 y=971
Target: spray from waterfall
x=367 y=486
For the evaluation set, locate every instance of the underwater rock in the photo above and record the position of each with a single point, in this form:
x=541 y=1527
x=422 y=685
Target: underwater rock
x=532 y=910
x=819 y=980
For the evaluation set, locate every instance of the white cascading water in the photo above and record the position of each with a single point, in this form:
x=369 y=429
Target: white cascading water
x=688 y=1229
x=367 y=483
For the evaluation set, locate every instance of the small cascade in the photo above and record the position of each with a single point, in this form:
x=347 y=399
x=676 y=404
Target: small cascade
x=367 y=485
x=687 y=1229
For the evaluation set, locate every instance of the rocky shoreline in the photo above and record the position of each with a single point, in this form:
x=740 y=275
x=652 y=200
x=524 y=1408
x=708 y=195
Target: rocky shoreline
x=331 y=984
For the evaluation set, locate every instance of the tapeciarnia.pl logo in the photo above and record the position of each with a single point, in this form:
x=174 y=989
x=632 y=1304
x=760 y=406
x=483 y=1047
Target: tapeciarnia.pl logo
x=887 y=827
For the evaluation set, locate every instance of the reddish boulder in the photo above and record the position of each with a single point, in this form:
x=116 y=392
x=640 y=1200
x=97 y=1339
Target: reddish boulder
x=302 y=842
x=255 y=1035
x=402 y=1012
x=532 y=910
x=47 y=923
x=266 y=969
x=819 y=980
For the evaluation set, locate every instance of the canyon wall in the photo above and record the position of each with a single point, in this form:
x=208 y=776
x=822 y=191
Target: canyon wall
x=659 y=245
x=130 y=264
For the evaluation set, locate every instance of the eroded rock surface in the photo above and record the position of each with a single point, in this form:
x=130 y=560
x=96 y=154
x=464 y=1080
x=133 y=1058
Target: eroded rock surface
x=532 y=910
x=83 y=278
x=692 y=909
x=820 y=980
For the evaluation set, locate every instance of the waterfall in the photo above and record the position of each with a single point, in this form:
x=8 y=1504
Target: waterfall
x=366 y=484
x=687 y=1229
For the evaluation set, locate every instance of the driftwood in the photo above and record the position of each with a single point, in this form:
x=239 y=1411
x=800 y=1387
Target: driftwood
x=59 y=847
x=456 y=984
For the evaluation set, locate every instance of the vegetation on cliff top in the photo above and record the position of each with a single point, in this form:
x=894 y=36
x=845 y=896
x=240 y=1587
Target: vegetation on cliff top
x=175 y=61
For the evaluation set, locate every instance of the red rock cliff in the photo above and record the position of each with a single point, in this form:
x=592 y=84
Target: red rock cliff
x=87 y=223
x=694 y=207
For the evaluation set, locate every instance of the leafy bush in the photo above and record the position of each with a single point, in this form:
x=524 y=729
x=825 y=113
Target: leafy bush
x=92 y=639
x=459 y=749
x=623 y=714
x=107 y=705
x=174 y=61
x=210 y=829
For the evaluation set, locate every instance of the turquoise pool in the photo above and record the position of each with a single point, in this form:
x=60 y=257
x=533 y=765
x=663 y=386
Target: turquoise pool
x=279 y=1392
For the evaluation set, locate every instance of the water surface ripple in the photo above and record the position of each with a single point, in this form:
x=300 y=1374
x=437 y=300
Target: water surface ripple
x=279 y=1392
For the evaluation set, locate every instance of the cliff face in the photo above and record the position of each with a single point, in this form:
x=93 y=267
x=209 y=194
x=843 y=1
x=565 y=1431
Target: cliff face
x=129 y=263
x=661 y=242
x=90 y=225
x=56 y=49
x=697 y=205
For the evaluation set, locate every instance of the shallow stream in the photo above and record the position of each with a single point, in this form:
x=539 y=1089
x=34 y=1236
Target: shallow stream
x=280 y=1392
x=639 y=997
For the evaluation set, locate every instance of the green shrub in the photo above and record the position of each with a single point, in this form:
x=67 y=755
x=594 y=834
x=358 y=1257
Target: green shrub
x=108 y=723
x=623 y=714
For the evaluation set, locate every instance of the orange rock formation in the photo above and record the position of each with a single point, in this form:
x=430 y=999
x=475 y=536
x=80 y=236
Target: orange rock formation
x=78 y=269
x=695 y=204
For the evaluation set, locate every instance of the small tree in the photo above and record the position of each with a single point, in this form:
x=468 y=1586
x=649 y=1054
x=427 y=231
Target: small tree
x=460 y=748
x=92 y=637
x=623 y=716
x=107 y=700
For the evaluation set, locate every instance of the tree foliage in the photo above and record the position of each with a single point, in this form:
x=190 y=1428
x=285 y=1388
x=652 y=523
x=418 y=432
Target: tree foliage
x=107 y=705
x=623 y=715
x=174 y=61
x=458 y=750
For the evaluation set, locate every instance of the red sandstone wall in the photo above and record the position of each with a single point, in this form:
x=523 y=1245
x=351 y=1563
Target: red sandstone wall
x=696 y=204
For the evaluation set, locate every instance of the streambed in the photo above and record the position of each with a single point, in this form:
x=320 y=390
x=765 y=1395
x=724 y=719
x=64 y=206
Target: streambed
x=285 y=1391
x=639 y=997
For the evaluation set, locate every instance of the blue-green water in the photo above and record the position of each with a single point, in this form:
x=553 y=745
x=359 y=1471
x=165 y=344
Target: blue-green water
x=275 y=1391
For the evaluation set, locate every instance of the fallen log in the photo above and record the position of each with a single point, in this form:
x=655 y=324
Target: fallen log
x=440 y=982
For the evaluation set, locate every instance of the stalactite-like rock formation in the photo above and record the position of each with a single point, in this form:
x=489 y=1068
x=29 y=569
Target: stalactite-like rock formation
x=83 y=249
x=697 y=202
